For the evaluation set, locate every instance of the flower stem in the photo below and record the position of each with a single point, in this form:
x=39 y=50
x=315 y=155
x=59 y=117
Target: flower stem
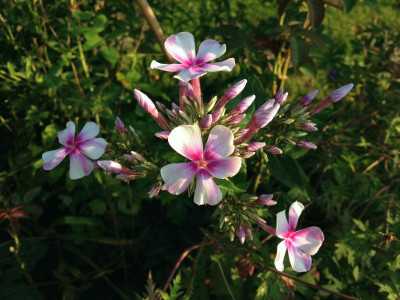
x=197 y=89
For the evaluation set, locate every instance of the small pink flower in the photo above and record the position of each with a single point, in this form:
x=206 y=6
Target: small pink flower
x=213 y=161
x=182 y=48
x=243 y=105
x=300 y=244
x=75 y=147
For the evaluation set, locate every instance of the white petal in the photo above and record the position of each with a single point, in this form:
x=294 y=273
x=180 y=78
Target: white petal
x=226 y=65
x=219 y=143
x=309 y=240
x=282 y=226
x=66 y=136
x=181 y=47
x=51 y=159
x=93 y=148
x=177 y=177
x=190 y=73
x=294 y=212
x=79 y=165
x=186 y=140
x=224 y=167
x=207 y=191
x=300 y=261
x=209 y=50
x=89 y=131
x=280 y=256
x=166 y=67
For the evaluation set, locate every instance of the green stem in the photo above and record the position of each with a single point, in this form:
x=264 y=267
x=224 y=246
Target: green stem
x=223 y=276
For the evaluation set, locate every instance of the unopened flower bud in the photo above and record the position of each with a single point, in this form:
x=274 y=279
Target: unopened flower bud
x=126 y=177
x=247 y=155
x=263 y=117
x=265 y=200
x=255 y=146
x=175 y=107
x=211 y=104
x=243 y=105
x=137 y=156
x=206 y=121
x=237 y=119
x=120 y=126
x=163 y=134
x=241 y=233
x=150 y=108
x=274 y=150
x=216 y=115
x=308 y=127
x=249 y=234
x=280 y=97
x=306 y=145
x=114 y=167
x=154 y=190
x=232 y=92
x=338 y=94
x=307 y=99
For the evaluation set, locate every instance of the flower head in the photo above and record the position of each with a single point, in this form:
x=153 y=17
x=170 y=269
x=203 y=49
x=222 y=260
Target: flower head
x=213 y=161
x=300 y=244
x=77 y=147
x=181 y=47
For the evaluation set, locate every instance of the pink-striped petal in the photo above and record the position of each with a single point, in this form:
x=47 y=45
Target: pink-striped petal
x=190 y=73
x=186 y=140
x=294 y=212
x=280 y=256
x=177 y=177
x=300 y=261
x=66 y=136
x=226 y=65
x=89 y=131
x=207 y=191
x=79 y=165
x=282 y=226
x=167 y=67
x=181 y=47
x=93 y=148
x=309 y=240
x=224 y=167
x=209 y=50
x=51 y=159
x=219 y=143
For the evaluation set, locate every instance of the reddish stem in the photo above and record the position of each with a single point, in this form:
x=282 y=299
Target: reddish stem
x=196 y=89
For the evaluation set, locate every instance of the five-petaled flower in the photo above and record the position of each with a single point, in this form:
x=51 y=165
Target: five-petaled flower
x=75 y=147
x=213 y=161
x=300 y=244
x=182 y=48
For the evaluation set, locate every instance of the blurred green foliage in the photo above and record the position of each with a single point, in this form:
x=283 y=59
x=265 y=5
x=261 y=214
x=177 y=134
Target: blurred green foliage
x=99 y=238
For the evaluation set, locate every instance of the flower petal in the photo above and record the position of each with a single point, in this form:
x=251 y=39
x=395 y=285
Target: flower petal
x=309 y=240
x=66 y=136
x=181 y=47
x=190 y=73
x=207 y=191
x=186 y=140
x=93 y=148
x=209 y=50
x=226 y=65
x=280 y=256
x=167 y=67
x=282 y=226
x=177 y=177
x=294 y=212
x=224 y=167
x=51 y=159
x=219 y=143
x=79 y=165
x=300 y=261
x=89 y=131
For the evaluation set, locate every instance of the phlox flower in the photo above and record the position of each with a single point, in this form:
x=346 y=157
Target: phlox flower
x=84 y=143
x=182 y=48
x=300 y=244
x=213 y=161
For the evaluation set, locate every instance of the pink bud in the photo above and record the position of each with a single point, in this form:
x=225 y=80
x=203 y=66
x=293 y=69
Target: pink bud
x=237 y=119
x=155 y=189
x=241 y=233
x=126 y=177
x=263 y=117
x=231 y=93
x=249 y=234
x=206 y=121
x=163 y=134
x=264 y=226
x=247 y=155
x=274 y=150
x=131 y=158
x=308 y=127
x=306 y=100
x=243 y=105
x=280 y=97
x=175 y=107
x=338 y=94
x=306 y=145
x=255 y=146
x=216 y=115
x=120 y=125
x=137 y=156
x=265 y=200
x=149 y=107
x=320 y=106
x=113 y=167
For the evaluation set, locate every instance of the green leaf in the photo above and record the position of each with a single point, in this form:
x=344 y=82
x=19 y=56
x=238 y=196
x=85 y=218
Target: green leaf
x=110 y=54
x=98 y=207
x=83 y=15
x=93 y=40
x=309 y=69
x=316 y=11
x=228 y=186
x=335 y=3
x=299 y=49
x=100 y=22
x=79 y=221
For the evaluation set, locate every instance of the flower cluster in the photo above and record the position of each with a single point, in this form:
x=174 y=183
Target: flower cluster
x=212 y=142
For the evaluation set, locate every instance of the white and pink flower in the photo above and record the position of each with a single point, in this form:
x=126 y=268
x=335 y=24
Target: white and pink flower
x=77 y=147
x=300 y=244
x=213 y=161
x=182 y=48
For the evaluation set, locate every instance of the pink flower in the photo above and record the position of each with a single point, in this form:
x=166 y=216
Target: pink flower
x=213 y=161
x=300 y=244
x=75 y=147
x=182 y=48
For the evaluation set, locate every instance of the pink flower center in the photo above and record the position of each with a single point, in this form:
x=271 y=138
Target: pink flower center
x=202 y=164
